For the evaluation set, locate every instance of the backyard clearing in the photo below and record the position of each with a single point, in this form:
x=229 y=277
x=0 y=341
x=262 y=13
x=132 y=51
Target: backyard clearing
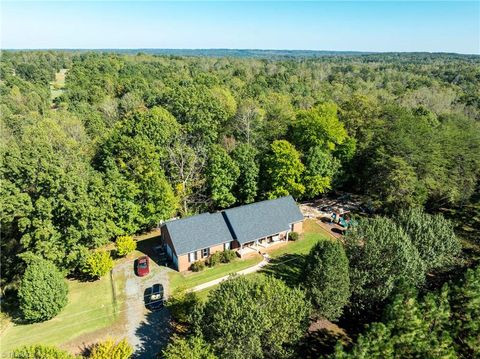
x=91 y=306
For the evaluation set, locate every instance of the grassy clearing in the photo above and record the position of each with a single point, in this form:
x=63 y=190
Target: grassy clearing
x=91 y=306
x=57 y=86
x=286 y=263
x=183 y=281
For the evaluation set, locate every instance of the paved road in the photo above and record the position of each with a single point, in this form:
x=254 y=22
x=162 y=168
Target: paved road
x=146 y=331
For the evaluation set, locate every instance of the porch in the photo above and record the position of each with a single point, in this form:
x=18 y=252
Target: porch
x=258 y=245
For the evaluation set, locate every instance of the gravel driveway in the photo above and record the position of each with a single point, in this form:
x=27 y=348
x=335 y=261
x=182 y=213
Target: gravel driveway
x=146 y=331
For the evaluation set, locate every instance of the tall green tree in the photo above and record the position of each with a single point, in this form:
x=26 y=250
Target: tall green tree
x=326 y=279
x=466 y=313
x=320 y=169
x=432 y=235
x=246 y=186
x=268 y=318
x=412 y=328
x=283 y=169
x=381 y=257
x=222 y=174
x=318 y=126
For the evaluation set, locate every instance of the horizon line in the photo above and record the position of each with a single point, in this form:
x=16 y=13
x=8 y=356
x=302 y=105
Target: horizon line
x=230 y=49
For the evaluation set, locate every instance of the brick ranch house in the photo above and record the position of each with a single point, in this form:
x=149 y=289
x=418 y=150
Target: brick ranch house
x=258 y=224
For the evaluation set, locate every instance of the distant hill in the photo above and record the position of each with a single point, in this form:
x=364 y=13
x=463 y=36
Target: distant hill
x=266 y=54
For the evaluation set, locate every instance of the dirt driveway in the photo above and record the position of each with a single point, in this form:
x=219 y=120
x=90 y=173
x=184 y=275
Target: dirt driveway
x=146 y=331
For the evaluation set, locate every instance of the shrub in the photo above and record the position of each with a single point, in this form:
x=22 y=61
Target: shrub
x=293 y=236
x=42 y=292
x=214 y=259
x=39 y=351
x=197 y=266
x=228 y=256
x=194 y=347
x=97 y=264
x=125 y=245
x=110 y=349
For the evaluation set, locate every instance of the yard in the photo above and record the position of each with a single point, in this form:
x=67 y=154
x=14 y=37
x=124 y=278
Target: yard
x=91 y=306
x=286 y=262
x=183 y=281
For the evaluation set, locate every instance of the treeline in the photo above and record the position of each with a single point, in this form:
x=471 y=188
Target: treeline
x=134 y=140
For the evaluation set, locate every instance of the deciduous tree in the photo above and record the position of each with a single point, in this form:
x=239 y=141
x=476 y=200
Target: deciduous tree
x=283 y=170
x=268 y=318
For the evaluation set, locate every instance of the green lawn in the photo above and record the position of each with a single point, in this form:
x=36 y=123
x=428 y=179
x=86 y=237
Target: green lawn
x=90 y=307
x=287 y=261
x=292 y=254
x=183 y=281
x=312 y=234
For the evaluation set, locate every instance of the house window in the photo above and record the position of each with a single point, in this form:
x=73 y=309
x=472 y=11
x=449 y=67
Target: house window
x=192 y=257
x=226 y=246
x=205 y=252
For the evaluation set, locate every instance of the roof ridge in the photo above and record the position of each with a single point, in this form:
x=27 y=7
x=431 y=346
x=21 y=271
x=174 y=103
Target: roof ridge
x=256 y=203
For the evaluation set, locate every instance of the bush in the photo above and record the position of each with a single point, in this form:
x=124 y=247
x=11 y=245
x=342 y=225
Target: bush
x=97 y=264
x=39 y=351
x=293 y=236
x=109 y=349
x=214 y=259
x=42 y=292
x=194 y=347
x=197 y=266
x=125 y=245
x=228 y=256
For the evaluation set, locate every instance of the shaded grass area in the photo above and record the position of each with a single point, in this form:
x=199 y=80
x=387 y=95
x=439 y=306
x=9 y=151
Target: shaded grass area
x=287 y=262
x=183 y=281
x=91 y=306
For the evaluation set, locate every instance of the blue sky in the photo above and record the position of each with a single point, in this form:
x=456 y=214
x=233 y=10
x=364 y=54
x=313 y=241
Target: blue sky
x=449 y=26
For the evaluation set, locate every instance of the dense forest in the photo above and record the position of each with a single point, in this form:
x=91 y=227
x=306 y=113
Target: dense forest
x=131 y=140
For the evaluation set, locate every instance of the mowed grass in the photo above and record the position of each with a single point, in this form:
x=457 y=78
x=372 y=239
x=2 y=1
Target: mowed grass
x=286 y=263
x=312 y=233
x=91 y=306
x=183 y=281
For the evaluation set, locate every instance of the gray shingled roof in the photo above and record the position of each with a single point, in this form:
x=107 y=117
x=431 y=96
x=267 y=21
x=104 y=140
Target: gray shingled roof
x=197 y=232
x=261 y=219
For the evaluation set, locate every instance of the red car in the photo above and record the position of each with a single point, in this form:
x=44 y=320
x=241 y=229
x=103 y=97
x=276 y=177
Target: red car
x=143 y=267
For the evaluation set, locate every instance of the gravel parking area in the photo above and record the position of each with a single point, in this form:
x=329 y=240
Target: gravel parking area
x=146 y=331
